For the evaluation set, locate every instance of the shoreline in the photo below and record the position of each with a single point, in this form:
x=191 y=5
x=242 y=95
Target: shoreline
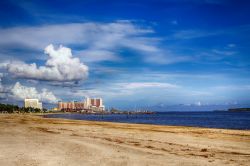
x=32 y=139
x=123 y=122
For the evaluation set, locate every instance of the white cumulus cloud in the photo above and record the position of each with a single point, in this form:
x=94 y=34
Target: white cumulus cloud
x=60 y=66
x=21 y=92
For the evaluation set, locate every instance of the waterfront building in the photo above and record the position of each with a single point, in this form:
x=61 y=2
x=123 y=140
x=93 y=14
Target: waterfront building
x=33 y=103
x=95 y=104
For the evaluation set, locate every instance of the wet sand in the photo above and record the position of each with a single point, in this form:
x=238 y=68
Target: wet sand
x=33 y=140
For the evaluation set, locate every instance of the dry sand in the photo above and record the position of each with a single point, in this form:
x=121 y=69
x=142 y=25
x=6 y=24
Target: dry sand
x=33 y=140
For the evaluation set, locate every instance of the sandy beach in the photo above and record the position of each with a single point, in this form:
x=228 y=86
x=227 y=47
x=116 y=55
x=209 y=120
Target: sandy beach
x=33 y=140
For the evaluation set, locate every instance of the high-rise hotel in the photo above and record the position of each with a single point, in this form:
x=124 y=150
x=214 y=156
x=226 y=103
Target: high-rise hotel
x=95 y=104
x=33 y=103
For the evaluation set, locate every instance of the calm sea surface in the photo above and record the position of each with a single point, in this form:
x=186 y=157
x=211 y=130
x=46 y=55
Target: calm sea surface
x=224 y=120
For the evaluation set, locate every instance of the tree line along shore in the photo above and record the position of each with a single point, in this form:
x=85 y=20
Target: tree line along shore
x=9 y=108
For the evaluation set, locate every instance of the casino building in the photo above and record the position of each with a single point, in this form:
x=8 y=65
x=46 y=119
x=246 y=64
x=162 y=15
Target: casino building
x=89 y=104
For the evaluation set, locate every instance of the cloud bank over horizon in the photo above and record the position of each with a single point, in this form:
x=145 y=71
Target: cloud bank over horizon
x=21 y=92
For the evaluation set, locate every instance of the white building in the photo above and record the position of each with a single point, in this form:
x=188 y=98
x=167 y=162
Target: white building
x=87 y=103
x=33 y=103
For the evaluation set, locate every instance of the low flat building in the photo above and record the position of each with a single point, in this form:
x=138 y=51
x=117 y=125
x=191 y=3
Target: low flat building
x=33 y=103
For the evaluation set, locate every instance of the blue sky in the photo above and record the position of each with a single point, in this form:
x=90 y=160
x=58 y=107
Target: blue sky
x=131 y=53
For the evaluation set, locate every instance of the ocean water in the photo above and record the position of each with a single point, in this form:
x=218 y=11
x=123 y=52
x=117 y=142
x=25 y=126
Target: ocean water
x=223 y=120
